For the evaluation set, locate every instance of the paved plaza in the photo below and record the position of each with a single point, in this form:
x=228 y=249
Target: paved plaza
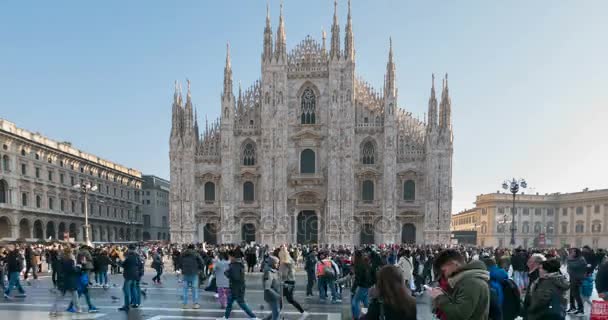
x=164 y=302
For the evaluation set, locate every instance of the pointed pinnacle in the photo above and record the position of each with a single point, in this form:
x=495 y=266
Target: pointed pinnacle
x=433 y=81
x=228 y=64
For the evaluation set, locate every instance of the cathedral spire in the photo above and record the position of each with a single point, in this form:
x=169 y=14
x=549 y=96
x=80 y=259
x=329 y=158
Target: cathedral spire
x=334 y=51
x=188 y=114
x=267 y=56
x=349 y=46
x=445 y=114
x=227 y=94
x=389 y=80
x=432 y=115
x=280 y=46
x=324 y=37
x=196 y=133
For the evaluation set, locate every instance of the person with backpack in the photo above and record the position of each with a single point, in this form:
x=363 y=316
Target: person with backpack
x=327 y=272
x=547 y=294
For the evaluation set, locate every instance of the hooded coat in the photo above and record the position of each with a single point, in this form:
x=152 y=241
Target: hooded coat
x=469 y=298
x=541 y=293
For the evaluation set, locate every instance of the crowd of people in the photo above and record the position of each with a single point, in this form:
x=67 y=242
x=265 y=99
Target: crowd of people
x=383 y=281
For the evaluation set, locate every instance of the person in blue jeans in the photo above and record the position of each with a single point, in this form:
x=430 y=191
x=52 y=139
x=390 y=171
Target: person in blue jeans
x=133 y=270
x=191 y=264
x=363 y=281
x=327 y=272
x=14 y=265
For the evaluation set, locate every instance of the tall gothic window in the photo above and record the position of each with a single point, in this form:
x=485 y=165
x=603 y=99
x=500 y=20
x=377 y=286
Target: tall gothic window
x=249 y=155
x=368 y=153
x=210 y=191
x=3 y=192
x=596 y=226
x=367 y=191
x=537 y=227
x=309 y=102
x=5 y=163
x=248 y=191
x=307 y=161
x=409 y=190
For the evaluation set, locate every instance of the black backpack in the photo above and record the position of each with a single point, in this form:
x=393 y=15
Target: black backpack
x=511 y=305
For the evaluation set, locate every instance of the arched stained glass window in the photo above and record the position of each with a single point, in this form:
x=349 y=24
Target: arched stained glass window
x=249 y=155
x=368 y=153
x=309 y=102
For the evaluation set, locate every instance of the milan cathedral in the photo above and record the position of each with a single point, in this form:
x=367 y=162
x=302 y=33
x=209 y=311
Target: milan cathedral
x=311 y=153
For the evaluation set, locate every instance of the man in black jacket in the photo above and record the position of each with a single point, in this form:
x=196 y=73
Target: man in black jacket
x=601 y=281
x=236 y=276
x=309 y=266
x=133 y=270
x=14 y=265
x=191 y=265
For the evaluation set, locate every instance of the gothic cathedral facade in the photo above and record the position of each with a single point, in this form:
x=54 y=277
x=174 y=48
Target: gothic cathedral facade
x=310 y=153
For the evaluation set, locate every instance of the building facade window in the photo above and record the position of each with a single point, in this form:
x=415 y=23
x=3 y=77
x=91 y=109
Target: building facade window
x=537 y=227
x=51 y=203
x=308 y=104
x=24 y=199
x=501 y=210
x=550 y=212
x=249 y=155
x=564 y=227
x=73 y=206
x=307 y=161
x=525 y=227
x=248 y=192
x=596 y=227
x=38 y=202
x=210 y=191
x=3 y=191
x=367 y=191
x=500 y=228
x=484 y=227
x=6 y=163
x=550 y=228
x=579 y=210
x=368 y=153
x=596 y=208
x=580 y=227
x=537 y=212
x=23 y=169
x=526 y=212
x=564 y=212
x=409 y=190
x=62 y=205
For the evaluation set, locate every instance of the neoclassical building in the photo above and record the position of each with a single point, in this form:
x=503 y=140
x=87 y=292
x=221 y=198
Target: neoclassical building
x=38 y=199
x=558 y=219
x=311 y=153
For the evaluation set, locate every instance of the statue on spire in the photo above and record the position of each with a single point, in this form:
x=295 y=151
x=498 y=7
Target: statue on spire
x=334 y=50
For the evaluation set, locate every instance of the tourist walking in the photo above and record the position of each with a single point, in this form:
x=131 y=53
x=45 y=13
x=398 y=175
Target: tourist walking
x=191 y=265
x=309 y=265
x=287 y=272
x=68 y=273
x=158 y=265
x=236 y=276
x=363 y=281
x=14 y=265
x=221 y=280
x=272 y=288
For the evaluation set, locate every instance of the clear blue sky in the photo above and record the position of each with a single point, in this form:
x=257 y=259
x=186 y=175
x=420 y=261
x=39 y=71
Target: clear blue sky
x=528 y=79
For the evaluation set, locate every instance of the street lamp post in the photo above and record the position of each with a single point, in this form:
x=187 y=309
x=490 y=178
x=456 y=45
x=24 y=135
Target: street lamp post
x=85 y=188
x=513 y=186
